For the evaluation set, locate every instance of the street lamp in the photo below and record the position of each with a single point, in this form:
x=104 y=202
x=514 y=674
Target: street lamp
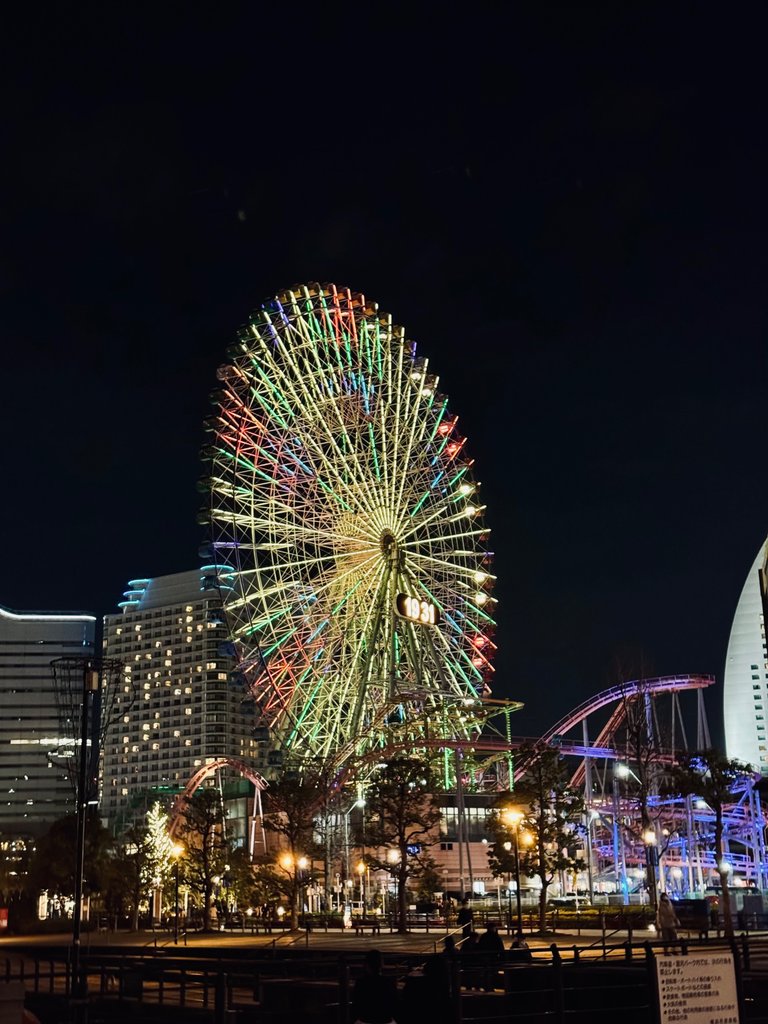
x=513 y=819
x=361 y=874
x=360 y=802
x=176 y=851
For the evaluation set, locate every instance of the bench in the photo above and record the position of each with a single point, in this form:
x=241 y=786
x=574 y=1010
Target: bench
x=373 y=926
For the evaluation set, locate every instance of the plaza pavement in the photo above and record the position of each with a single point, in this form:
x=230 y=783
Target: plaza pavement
x=417 y=941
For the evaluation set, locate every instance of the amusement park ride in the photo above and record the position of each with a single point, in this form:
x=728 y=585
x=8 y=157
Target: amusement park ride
x=348 y=541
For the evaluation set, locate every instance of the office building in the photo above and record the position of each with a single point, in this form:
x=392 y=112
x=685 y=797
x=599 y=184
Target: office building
x=35 y=784
x=745 y=693
x=180 y=710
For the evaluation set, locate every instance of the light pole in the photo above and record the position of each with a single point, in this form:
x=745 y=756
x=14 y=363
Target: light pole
x=360 y=802
x=513 y=818
x=176 y=851
x=361 y=875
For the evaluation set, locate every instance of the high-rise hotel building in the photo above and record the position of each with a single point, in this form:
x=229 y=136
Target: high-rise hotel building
x=745 y=693
x=179 y=708
x=35 y=784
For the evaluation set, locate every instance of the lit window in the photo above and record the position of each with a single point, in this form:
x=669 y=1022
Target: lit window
x=210 y=666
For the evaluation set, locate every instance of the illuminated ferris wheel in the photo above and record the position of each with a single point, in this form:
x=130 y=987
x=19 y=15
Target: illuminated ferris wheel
x=346 y=532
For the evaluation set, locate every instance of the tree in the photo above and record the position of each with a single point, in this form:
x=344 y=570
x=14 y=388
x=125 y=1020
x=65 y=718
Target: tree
x=201 y=832
x=53 y=864
x=290 y=805
x=143 y=861
x=402 y=825
x=712 y=777
x=550 y=814
x=642 y=777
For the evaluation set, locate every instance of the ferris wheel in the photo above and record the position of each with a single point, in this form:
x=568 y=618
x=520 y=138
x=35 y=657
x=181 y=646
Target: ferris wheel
x=347 y=534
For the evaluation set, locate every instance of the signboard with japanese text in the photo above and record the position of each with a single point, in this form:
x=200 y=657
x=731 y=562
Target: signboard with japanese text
x=697 y=989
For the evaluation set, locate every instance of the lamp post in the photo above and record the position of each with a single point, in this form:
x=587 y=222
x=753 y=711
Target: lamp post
x=301 y=876
x=360 y=802
x=176 y=851
x=513 y=818
x=361 y=875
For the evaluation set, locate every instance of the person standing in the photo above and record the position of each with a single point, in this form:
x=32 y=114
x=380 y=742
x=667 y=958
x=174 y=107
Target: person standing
x=491 y=947
x=374 y=1000
x=667 y=921
x=464 y=919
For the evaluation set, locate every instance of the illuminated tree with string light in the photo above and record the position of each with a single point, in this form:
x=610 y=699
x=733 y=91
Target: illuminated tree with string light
x=347 y=535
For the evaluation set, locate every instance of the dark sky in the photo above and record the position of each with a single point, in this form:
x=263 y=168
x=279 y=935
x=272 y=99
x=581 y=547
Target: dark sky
x=563 y=206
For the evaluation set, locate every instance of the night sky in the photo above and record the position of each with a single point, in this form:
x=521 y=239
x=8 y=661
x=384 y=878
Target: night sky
x=563 y=206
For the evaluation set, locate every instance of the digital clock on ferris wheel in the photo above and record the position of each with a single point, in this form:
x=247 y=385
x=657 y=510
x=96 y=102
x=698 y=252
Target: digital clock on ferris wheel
x=416 y=610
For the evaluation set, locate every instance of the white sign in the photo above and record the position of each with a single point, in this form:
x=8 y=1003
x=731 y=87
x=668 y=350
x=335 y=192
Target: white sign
x=697 y=989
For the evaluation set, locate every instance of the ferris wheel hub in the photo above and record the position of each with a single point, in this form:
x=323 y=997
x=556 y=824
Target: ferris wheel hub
x=388 y=544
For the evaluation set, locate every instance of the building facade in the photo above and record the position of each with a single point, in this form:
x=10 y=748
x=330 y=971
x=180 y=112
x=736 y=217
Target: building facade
x=179 y=707
x=745 y=693
x=35 y=783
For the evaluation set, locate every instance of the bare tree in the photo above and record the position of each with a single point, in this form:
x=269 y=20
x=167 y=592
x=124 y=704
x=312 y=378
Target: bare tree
x=206 y=849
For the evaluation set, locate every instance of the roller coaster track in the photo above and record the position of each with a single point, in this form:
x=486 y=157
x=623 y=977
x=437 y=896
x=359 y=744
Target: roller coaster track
x=619 y=695
x=201 y=775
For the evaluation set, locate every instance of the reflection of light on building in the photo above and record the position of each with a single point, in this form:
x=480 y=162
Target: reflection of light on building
x=35 y=785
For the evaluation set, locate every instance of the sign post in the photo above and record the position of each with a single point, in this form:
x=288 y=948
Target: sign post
x=697 y=989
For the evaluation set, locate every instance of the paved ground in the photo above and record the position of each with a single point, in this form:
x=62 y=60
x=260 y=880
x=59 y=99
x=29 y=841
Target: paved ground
x=418 y=941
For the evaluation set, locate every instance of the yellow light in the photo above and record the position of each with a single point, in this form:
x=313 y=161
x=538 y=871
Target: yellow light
x=511 y=817
x=649 y=837
x=361 y=868
x=480 y=577
x=303 y=863
x=466 y=489
x=286 y=861
x=177 y=850
x=480 y=597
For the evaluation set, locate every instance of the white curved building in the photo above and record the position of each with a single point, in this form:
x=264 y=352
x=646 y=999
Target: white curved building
x=745 y=692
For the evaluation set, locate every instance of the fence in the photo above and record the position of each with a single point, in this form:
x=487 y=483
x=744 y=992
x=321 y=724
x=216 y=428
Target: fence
x=583 y=983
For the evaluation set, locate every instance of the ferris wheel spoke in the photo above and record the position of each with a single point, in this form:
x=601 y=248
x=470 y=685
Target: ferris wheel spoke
x=305 y=398
x=336 y=477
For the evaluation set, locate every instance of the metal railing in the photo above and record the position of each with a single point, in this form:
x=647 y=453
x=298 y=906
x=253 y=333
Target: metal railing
x=557 y=981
